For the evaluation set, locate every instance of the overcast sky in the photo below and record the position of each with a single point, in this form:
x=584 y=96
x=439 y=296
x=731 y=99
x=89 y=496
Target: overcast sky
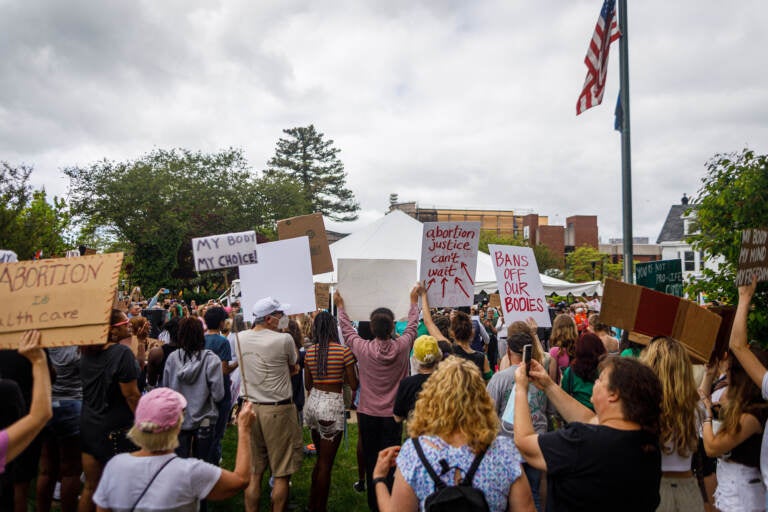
x=464 y=104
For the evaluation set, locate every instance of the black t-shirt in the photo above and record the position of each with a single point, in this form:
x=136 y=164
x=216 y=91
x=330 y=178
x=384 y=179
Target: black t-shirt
x=104 y=406
x=407 y=392
x=476 y=357
x=596 y=468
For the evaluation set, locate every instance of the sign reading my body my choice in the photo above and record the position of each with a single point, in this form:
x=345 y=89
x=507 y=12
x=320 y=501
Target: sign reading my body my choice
x=223 y=251
x=522 y=294
x=448 y=262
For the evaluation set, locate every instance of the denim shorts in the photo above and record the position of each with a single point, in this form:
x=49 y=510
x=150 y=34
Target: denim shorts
x=66 y=418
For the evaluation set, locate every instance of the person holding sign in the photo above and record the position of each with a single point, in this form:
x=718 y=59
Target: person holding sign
x=383 y=363
x=749 y=361
x=15 y=438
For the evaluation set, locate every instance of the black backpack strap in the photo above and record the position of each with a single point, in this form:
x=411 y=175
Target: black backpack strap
x=473 y=469
x=439 y=484
x=150 y=482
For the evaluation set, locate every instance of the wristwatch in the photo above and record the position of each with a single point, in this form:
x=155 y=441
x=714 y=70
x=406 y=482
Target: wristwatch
x=381 y=479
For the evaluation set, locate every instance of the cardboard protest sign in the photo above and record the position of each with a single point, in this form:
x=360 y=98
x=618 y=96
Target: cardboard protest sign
x=223 y=251
x=494 y=300
x=312 y=227
x=368 y=284
x=449 y=261
x=69 y=301
x=753 y=258
x=284 y=272
x=517 y=275
x=323 y=295
x=653 y=313
x=663 y=276
x=8 y=256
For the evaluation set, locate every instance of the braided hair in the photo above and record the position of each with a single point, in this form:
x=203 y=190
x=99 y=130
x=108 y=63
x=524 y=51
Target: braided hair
x=324 y=331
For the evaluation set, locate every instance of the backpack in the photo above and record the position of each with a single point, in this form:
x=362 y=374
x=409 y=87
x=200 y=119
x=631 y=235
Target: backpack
x=453 y=498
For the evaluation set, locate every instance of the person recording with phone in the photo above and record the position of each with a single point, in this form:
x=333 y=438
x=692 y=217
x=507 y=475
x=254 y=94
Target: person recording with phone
x=501 y=389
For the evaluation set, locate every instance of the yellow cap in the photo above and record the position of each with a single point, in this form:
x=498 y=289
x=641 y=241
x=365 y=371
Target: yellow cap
x=426 y=350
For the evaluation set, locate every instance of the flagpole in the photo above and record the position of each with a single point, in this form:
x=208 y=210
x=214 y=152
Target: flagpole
x=626 y=155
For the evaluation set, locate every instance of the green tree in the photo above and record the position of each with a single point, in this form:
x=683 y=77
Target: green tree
x=313 y=162
x=15 y=194
x=156 y=204
x=588 y=264
x=733 y=197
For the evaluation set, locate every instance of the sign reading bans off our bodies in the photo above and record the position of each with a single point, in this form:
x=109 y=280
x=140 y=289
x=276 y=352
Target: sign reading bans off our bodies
x=448 y=262
x=522 y=294
x=70 y=300
x=224 y=251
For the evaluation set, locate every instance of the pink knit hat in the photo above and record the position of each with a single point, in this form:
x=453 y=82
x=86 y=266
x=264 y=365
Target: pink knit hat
x=159 y=410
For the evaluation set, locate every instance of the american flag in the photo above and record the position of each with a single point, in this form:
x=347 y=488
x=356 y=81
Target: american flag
x=606 y=32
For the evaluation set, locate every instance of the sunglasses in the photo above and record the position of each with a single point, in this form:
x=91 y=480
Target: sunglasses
x=119 y=324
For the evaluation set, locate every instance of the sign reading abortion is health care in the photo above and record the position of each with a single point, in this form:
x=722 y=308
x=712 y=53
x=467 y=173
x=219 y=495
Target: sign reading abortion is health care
x=517 y=275
x=223 y=251
x=448 y=262
x=68 y=300
x=753 y=258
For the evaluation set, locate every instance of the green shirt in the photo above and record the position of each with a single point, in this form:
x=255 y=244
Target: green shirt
x=578 y=388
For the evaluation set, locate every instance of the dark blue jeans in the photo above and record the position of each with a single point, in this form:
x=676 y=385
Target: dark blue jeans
x=534 y=479
x=220 y=427
x=196 y=443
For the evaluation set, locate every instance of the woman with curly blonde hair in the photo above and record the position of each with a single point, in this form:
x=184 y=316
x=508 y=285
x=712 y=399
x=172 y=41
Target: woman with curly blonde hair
x=563 y=341
x=454 y=421
x=679 y=424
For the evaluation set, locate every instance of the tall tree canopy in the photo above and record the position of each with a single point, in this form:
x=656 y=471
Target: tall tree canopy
x=28 y=221
x=312 y=161
x=162 y=200
x=733 y=197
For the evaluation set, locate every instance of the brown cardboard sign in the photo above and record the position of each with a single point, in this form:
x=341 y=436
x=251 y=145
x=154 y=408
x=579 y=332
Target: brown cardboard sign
x=651 y=313
x=69 y=300
x=312 y=227
x=494 y=300
x=323 y=295
x=753 y=258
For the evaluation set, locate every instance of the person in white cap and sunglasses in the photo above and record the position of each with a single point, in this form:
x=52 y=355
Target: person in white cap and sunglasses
x=154 y=478
x=269 y=358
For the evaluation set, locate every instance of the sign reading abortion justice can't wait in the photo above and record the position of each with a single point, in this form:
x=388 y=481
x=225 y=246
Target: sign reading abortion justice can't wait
x=449 y=261
x=223 y=251
x=68 y=300
x=522 y=294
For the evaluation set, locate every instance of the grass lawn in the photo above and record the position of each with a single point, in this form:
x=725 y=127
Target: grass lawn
x=342 y=496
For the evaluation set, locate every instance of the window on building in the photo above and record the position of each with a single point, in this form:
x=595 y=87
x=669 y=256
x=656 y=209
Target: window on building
x=689 y=263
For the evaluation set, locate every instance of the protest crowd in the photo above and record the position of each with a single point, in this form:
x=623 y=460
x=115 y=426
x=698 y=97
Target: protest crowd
x=457 y=409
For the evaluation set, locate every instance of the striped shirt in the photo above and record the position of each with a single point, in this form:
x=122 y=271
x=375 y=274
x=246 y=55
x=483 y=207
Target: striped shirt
x=339 y=357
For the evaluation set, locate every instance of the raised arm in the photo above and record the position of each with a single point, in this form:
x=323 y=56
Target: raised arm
x=427 y=316
x=22 y=432
x=526 y=438
x=738 y=342
x=347 y=331
x=413 y=317
x=569 y=408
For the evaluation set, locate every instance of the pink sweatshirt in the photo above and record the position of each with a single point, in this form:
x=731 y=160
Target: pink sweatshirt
x=383 y=364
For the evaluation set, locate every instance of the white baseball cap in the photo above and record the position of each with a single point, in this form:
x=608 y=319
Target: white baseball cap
x=266 y=306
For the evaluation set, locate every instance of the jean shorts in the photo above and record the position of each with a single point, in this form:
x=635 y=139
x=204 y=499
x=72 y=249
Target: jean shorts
x=66 y=418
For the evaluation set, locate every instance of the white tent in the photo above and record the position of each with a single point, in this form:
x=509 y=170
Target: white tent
x=398 y=236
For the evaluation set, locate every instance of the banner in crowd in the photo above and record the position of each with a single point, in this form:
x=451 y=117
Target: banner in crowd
x=69 y=301
x=369 y=284
x=653 y=313
x=323 y=295
x=224 y=251
x=448 y=262
x=284 y=272
x=663 y=276
x=312 y=227
x=522 y=293
x=7 y=256
x=753 y=258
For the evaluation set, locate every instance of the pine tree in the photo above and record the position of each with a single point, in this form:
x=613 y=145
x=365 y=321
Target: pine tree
x=313 y=162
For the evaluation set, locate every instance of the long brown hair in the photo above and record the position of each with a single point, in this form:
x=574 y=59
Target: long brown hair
x=564 y=334
x=743 y=395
